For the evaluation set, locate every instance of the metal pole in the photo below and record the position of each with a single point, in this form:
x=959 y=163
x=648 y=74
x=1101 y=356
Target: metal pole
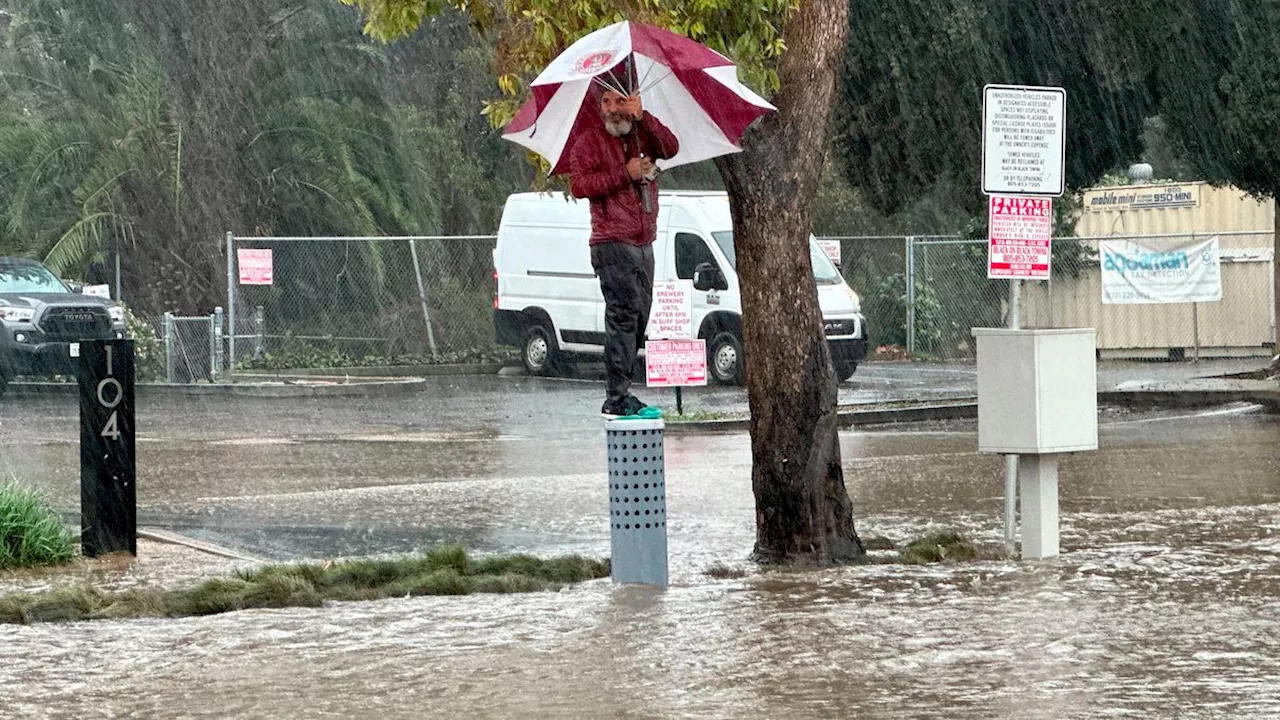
x=231 y=302
x=218 y=319
x=911 y=295
x=1271 y=287
x=1015 y=304
x=1011 y=461
x=168 y=347
x=1195 y=328
x=119 y=292
x=422 y=295
x=259 y=332
x=213 y=352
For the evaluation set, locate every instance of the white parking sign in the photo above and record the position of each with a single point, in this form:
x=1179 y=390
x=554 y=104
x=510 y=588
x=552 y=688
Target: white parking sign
x=1024 y=136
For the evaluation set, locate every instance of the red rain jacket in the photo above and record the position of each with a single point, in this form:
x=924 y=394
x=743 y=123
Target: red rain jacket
x=598 y=172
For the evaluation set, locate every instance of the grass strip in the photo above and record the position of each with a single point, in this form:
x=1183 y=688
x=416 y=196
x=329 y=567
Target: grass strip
x=441 y=571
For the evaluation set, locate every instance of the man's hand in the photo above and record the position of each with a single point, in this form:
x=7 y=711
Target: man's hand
x=632 y=104
x=638 y=168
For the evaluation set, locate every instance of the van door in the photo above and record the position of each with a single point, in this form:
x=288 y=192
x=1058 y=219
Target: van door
x=689 y=250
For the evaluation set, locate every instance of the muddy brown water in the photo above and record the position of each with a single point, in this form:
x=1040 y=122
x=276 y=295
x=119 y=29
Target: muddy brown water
x=1163 y=603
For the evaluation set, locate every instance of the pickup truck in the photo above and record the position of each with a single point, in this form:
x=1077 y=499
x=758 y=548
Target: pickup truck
x=40 y=317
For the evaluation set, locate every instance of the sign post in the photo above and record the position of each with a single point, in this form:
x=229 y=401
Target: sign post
x=108 y=473
x=1024 y=135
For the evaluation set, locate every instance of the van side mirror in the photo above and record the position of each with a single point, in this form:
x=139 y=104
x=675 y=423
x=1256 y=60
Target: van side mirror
x=706 y=276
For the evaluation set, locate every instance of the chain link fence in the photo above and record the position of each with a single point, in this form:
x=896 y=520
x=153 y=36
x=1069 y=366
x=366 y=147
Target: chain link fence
x=924 y=294
x=346 y=301
x=193 y=347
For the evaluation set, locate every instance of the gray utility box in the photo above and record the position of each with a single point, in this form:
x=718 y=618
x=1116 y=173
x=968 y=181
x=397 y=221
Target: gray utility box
x=637 y=501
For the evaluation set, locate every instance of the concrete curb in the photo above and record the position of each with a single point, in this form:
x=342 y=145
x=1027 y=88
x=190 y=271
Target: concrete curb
x=1149 y=399
x=173 y=538
x=274 y=389
x=849 y=416
x=967 y=408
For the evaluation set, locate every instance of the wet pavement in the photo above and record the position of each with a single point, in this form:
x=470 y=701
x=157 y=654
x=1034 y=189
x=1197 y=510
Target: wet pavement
x=1164 y=602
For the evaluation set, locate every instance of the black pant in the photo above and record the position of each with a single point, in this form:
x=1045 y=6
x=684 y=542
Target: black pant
x=626 y=281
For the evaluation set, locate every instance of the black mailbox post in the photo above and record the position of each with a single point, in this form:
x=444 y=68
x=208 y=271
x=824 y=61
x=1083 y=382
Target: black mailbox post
x=108 y=491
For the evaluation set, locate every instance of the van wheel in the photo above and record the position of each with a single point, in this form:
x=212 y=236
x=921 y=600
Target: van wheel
x=844 y=369
x=539 y=350
x=725 y=359
x=4 y=382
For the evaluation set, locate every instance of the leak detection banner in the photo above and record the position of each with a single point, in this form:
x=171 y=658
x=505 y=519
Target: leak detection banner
x=1139 y=271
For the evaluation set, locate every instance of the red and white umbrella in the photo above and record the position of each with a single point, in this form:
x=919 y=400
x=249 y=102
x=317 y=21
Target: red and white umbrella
x=691 y=88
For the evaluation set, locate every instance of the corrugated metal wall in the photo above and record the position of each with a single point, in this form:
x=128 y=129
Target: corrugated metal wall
x=1240 y=324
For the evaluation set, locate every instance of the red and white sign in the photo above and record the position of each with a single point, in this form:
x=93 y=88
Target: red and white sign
x=671 y=317
x=1020 y=232
x=832 y=249
x=675 y=363
x=255 y=266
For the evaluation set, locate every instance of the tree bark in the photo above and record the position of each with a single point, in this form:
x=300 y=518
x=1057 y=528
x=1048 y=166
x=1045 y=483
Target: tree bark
x=803 y=511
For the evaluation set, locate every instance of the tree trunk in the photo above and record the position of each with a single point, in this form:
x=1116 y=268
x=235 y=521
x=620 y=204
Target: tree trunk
x=803 y=511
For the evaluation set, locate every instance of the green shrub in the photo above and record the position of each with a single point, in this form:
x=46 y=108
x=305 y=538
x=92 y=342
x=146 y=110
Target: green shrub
x=31 y=532
x=148 y=350
x=943 y=546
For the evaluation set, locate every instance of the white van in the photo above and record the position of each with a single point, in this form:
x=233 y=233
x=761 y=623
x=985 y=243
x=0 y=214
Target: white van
x=548 y=300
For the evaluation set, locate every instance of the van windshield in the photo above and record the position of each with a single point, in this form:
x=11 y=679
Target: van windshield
x=824 y=271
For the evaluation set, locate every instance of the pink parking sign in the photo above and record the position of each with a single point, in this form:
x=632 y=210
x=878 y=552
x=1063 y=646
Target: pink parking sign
x=676 y=363
x=1020 y=238
x=255 y=266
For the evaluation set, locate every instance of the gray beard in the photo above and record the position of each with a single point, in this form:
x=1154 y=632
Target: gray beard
x=618 y=129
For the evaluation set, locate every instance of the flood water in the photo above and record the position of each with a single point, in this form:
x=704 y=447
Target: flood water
x=1163 y=603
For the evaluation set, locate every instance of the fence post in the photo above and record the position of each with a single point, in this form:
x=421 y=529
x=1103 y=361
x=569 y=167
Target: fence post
x=259 y=332
x=231 y=302
x=168 y=347
x=911 y=295
x=1271 y=288
x=218 y=319
x=422 y=295
x=213 y=363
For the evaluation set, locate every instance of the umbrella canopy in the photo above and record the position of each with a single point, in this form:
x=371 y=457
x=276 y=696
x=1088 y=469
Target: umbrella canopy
x=691 y=88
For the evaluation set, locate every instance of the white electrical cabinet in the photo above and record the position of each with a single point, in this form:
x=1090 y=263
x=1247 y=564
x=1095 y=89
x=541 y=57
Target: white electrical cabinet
x=1037 y=390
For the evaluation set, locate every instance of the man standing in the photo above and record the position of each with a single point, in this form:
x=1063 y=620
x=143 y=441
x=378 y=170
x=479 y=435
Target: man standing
x=612 y=165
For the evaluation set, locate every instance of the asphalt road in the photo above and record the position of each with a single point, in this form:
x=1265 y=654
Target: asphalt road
x=455 y=460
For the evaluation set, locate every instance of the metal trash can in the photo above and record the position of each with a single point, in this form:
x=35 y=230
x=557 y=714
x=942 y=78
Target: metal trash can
x=637 y=501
